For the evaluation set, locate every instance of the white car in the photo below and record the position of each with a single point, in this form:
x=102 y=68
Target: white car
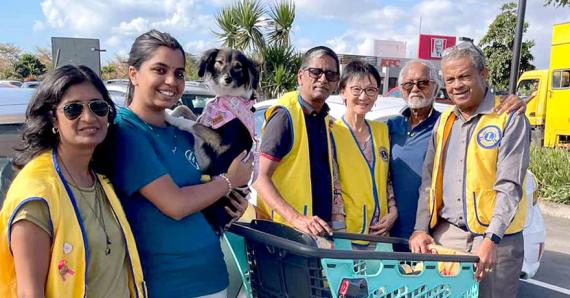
x=388 y=107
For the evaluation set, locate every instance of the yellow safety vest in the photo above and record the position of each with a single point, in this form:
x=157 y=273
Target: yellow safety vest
x=363 y=186
x=41 y=180
x=480 y=176
x=292 y=177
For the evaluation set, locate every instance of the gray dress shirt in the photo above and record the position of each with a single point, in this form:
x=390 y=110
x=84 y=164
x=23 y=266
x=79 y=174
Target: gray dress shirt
x=512 y=163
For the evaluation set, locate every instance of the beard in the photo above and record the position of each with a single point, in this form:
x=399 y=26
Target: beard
x=418 y=100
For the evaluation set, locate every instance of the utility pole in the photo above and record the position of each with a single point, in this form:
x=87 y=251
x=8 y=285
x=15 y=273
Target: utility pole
x=517 y=47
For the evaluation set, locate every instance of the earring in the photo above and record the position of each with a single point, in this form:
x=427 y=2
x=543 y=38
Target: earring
x=54 y=130
x=108 y=124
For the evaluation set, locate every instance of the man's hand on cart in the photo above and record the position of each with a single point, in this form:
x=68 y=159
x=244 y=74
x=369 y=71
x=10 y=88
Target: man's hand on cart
x=487 y=253
x=313 y=225
x=419 y=242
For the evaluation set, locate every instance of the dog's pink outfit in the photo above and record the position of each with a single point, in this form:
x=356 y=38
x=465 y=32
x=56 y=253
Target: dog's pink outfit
x=224 y=109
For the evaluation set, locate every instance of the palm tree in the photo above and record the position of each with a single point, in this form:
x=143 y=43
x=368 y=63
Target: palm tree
x=264 y=36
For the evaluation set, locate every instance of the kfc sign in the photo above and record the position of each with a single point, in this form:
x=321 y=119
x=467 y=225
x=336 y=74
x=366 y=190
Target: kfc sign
x=431 y=46
x=390 y=63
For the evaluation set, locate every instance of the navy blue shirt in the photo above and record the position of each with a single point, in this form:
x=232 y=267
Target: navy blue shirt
x=408 y=149
x=278 y=140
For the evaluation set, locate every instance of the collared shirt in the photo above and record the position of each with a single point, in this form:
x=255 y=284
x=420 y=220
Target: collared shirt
x=512 y=163
x=408 y=147
x=278 y=140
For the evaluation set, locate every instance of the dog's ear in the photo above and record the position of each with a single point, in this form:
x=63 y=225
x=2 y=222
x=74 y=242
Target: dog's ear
x=207 y=61
x=253 y=73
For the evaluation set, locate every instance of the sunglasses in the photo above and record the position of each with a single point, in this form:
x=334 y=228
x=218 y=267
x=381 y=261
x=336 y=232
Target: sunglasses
x=408 y=86
x=315 y=73
x=99 y=107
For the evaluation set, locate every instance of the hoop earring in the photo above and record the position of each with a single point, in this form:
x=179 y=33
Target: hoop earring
x=54 y=130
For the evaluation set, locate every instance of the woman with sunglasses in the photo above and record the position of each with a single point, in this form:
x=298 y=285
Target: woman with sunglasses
x=362 y=148
x=64 y=232
x=158 y=179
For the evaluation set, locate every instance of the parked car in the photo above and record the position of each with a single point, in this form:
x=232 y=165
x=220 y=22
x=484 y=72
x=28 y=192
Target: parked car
x=7 y=83
x=387 y=107
x=196 y=95
x=30 y=84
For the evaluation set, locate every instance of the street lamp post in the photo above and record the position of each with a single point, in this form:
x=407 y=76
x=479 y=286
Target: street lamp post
x=515 y=62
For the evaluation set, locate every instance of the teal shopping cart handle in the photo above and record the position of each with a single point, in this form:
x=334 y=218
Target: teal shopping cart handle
x=370 y=238
x=251 y=234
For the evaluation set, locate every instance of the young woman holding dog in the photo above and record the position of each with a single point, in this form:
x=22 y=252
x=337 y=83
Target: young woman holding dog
x=63 y=230
x=157 y=177
x=364 y=150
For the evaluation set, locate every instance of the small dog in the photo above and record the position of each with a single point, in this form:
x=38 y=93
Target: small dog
x=227 y=126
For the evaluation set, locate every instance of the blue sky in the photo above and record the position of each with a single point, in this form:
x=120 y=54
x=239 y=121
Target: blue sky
x=346 y=26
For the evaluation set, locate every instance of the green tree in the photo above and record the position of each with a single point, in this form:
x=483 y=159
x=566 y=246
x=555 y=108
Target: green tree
x=497 y=45
x=115 y=68
x=9 y=55
x=44 y=55
x=265 y=36
x=557 y=3
x=29 y=67
x=191 y=67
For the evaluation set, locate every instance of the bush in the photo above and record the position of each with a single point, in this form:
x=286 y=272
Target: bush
x=552 y=170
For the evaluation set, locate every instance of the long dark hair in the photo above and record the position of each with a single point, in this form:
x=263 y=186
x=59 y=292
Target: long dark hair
x=144 y=47
x=37 y=134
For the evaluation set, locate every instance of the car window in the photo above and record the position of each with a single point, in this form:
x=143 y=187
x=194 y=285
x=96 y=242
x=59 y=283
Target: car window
x=9 y=139
x=196 y=102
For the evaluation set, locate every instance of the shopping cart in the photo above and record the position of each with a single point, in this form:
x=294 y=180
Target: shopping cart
x=277 y=261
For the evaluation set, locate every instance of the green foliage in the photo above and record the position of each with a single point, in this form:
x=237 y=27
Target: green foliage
x=9 y=55
x=263 y=35
x=242 y=25
x=279 y=70
x=115 y=68
x=497 y=45
x=29 y=67
x=191 y=68
x=557 y=3
x=552 y=170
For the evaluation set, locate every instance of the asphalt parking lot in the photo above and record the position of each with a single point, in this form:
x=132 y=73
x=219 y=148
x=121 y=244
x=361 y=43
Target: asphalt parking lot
x=553 y=277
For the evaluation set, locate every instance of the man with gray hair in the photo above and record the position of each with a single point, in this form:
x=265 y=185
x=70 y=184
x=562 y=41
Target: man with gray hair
x=471 y=196
x=295 y=179
x=409 y=135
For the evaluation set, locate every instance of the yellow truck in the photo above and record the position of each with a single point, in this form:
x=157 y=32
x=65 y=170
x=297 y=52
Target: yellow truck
x=548 y=90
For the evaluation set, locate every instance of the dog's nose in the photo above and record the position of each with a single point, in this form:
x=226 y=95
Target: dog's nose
x=227 y=79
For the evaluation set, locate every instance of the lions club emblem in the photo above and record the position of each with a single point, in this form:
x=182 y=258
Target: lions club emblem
x=489 y=136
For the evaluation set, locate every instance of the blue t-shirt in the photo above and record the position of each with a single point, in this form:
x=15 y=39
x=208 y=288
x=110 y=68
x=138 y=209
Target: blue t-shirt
x=180 y=258
x=408 y=149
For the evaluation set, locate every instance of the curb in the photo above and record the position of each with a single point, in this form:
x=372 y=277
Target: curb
x=554 y=209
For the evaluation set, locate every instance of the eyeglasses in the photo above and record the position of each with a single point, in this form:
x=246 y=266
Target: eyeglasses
x=99 y=107
x=467 y=45
x=370 y=91
x=408 y=86
x=315 y=73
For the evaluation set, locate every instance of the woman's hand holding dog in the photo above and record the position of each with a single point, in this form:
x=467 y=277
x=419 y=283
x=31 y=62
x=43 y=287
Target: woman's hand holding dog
x=240 y=170
x=238 y=198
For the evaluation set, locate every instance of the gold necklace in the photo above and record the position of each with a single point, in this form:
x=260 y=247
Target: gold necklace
x=100 y=218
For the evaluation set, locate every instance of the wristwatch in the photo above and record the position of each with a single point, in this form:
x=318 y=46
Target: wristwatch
x=493 y=237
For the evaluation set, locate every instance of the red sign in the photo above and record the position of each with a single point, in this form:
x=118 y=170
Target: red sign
x=431 y=46
x=390 y=63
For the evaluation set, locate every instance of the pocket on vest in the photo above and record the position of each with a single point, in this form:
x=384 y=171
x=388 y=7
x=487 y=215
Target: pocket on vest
x=484 y=205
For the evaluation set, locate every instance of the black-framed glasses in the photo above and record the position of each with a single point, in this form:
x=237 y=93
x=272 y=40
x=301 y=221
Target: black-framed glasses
x=315 y=73
x=408 y=86
x=370 y=91
x=99 y=107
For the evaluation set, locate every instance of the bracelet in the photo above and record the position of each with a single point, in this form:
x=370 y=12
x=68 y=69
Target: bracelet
x=223 y=176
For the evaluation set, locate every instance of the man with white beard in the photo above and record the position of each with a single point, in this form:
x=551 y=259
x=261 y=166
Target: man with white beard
x=409 y=136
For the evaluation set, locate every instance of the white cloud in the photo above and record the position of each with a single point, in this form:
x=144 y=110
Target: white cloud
x=197 y=47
